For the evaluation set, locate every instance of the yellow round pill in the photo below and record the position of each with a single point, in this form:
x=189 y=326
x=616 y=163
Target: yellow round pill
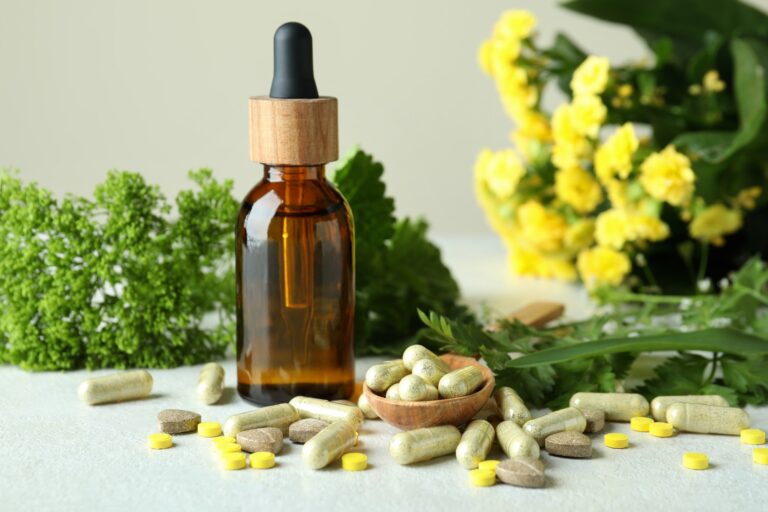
x=262 y=460
x=640 y=423
x=482 y=477
x=223 y=440
x=616 y=440
x=489 y=465
x=693 y=460
x=354 y=461
x=234 y=460
x=159 y=441
x=228 y=447
x=760 y=456
x=752 y=436
x=209 y=429
x=661 y=429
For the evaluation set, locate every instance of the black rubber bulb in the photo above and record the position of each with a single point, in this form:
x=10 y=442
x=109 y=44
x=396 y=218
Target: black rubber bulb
x=293 y=74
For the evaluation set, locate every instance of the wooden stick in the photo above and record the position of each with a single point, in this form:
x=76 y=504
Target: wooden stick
x=535 y=314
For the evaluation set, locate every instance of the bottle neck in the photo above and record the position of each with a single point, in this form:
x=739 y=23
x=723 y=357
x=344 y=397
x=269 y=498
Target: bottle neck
x=294 y=173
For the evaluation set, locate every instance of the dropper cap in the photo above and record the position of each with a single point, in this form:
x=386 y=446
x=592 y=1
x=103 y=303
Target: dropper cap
x=293 y=125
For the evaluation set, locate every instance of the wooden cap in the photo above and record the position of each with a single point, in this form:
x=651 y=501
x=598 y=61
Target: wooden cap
x=294 y=131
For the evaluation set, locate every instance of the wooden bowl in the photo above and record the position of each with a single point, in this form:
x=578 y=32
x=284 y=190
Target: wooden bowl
x=448 y=411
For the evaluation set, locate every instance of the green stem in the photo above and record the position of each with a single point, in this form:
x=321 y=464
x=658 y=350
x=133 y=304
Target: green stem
x=713 y=371
x=648 y=298
x=751 y=293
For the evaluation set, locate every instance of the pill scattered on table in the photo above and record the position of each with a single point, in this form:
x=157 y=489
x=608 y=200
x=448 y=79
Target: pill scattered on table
x=521 y=472
x=262 y=460
x=640 y=423
x=488 y=464
x=117 y=387
x=616 y=440
x=660 y=404
x=568 y=419
x=228 y=447
x=616 y=406
x=569 y=444
x=303 y=430
x=366 y=408
x=223 y=439
x=278 y=416
x=159 y=441
x=511 y=406
x=328 y=445
x=661 y=429
x=265 y=439
x=354 y=461
x=752 y=436
x=760 y=456
x=177 y=421
x=515 y=442
x=233 y=461
x=210 y=383
x=707 y=419
x=595 y=420
x=482 y=477
x=694 y=460
x=424 y=444
x=476 y=442
x=209 y=428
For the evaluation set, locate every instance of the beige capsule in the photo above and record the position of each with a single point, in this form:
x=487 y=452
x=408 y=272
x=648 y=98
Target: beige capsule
x=325 y=410
x=461 y=382
x=393 y=392
x=660 y=404
x=424 y=444
x=428 y=370
x=515 y=442
x=117 y=387
x=329 y=444
x=278 y=416
x=414 y=389
x=380 y=377
x=210 y=384
x=415 y=353
x=707 y=419
x=564 y=420
x=511 y=406
x=365 y=407
x=616 y=406
x=475 y=443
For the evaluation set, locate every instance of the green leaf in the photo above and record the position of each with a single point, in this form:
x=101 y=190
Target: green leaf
x=713 y=340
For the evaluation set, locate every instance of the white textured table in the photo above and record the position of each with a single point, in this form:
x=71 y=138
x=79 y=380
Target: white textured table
x=58 y=454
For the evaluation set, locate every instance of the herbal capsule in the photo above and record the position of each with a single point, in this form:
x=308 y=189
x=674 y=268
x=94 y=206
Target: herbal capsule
x=380 y=377
x=511 y=406
x=414 y=389
x=278 y=416
x=393 y=393
x=563 y=420
x=210 y=384
x=660 y=404
x=515 y=442
x=116 y=387
x=429 y=370
x=460 y=382
x=424 y=444
x=365 y=407
x=328 y=444
x=327 y=411
x=475 y=444
x=707 y=419
x=415 y=353
x=616 y=406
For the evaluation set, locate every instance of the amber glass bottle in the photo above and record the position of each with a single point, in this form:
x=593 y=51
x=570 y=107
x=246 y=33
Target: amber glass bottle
x=295 y=243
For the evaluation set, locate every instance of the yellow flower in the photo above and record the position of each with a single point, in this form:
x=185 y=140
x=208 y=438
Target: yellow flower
x=602 y=265
x=516 y=94
x=667 y=176
x=532 y=263
x=625 y=90
x=514 y=25
x=712 y=224
x=614 y=228
x=580 y=235
x=500 y=171
x=569 y=145
x=712 y=82
x=615 y=155
x=587 y=114
x=541 y=229
x=532 y=131
x=485 y=57
x=502 y=56
x=617 y=194
x=591 y=76
x=746 y=198
x=577 y=188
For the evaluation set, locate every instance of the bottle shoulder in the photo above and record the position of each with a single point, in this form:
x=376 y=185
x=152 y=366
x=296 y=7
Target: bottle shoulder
x=311 y=197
